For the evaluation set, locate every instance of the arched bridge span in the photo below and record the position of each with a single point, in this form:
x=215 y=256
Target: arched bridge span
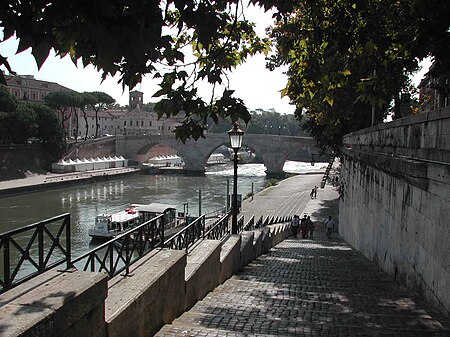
x=273 y=149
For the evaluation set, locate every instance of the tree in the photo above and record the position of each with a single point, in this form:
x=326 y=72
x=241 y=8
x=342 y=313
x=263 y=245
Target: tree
x=136 y=38
x=150 y=107
x=8 y=105
x=65 y=102
x=263 y=122
x=8 y=102
x=18 y=121
x=98 y=101
x=86 y=100
x=49 y=129
x=345 y=57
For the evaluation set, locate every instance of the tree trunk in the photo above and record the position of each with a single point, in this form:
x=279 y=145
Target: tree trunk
x=87 y=125
x=96 y=124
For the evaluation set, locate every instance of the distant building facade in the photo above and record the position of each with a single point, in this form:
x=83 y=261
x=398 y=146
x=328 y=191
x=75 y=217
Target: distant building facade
x=434 y=91
x=134 y=121
x=27 y=88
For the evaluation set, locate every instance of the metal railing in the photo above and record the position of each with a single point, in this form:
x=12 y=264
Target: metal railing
x=188 y=236
x=47 y=247
x=120 y=253
x=37 y=247
x=219 y=229
x=249 y=225
x=261 y=222
x=216 y=213
x=240 y=224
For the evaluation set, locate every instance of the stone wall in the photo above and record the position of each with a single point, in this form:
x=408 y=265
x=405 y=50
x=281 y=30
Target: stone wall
x=20 y=161
x=101 y=147
x=395 y=200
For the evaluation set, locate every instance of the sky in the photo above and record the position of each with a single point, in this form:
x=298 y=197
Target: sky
x=252 y=82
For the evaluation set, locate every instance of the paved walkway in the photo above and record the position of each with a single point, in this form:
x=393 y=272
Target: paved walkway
x=309 y=287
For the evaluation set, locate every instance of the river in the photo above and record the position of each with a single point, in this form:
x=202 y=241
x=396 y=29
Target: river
x=85 y=201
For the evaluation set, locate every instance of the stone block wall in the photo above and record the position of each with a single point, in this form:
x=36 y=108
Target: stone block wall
x=101 y=147
x=56 y=304
x=395 y=200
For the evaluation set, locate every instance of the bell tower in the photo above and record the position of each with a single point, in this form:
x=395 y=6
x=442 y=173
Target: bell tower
x=136 y=100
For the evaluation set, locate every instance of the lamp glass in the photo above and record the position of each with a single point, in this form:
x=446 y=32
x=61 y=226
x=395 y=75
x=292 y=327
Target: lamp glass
x=236 y=136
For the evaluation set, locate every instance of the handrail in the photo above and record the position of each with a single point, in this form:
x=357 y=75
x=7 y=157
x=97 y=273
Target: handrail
x=250 y=224
x=113 y=256
x=219 y=229
x=240 y=224
x=216 y=212
x=43 y=242
x=120 y=253
x=189 y=235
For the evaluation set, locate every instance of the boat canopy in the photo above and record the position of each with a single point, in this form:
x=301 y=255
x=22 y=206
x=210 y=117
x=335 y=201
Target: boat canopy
x=154 y=207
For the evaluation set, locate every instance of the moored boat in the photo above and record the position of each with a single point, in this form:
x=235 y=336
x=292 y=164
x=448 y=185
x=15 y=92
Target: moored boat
x=107 y=226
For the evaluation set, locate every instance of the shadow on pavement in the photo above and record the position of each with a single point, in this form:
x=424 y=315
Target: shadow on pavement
x=320 y=288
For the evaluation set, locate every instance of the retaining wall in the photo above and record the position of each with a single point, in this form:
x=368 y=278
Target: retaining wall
x=395 y=200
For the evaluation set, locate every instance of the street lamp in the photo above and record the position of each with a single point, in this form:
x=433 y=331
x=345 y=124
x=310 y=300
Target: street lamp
x=235 y=135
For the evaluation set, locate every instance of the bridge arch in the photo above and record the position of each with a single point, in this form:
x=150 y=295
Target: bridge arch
x=274 y=149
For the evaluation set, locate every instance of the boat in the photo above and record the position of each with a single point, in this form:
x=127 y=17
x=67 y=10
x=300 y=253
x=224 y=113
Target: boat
x=107 y=226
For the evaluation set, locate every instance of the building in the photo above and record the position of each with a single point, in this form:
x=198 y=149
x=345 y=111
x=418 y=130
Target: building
x=107 y=119
x=27 y=88
x=434 y=91
x=132 y=122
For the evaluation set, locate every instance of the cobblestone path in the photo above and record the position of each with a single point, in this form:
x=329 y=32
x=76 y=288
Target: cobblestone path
x=310 y=288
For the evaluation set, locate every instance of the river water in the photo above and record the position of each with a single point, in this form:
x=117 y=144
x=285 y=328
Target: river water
x=84 y=202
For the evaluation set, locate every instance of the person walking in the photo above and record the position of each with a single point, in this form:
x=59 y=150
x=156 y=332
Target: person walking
x=304 y=226
x=295 y=224
x=311 y=228
x=329 y=225
x=315 y=191
x=312 y=194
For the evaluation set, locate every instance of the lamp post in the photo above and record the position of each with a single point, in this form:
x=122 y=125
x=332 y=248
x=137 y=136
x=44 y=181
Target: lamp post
x=235 y=135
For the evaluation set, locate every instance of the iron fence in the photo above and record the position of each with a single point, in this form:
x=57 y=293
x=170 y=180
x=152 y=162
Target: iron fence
x=250 y=224
x=46 y=244
x=120 y=253
x=188 y=236
x=219 y=229
x=33 y=249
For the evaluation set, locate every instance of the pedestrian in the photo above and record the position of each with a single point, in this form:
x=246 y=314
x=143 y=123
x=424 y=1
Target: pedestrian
x=304 y=226
x=311 y=227
x=295 y=223
x=315 y=191
x=312 y=194
x=329 y=225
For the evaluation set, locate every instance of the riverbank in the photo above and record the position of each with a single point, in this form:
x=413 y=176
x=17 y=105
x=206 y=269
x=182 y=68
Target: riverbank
x=41 y=182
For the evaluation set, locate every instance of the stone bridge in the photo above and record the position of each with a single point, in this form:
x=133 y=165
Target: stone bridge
x=273 y=149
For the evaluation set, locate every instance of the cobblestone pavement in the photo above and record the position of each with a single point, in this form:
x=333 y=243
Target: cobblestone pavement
x=309 y=287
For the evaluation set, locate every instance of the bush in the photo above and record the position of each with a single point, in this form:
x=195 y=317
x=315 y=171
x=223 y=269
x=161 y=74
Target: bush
x=271 y=182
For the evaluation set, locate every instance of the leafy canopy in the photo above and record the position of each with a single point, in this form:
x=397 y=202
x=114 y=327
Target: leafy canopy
x=331 y=47
x=135 y=38
x=345 y=57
